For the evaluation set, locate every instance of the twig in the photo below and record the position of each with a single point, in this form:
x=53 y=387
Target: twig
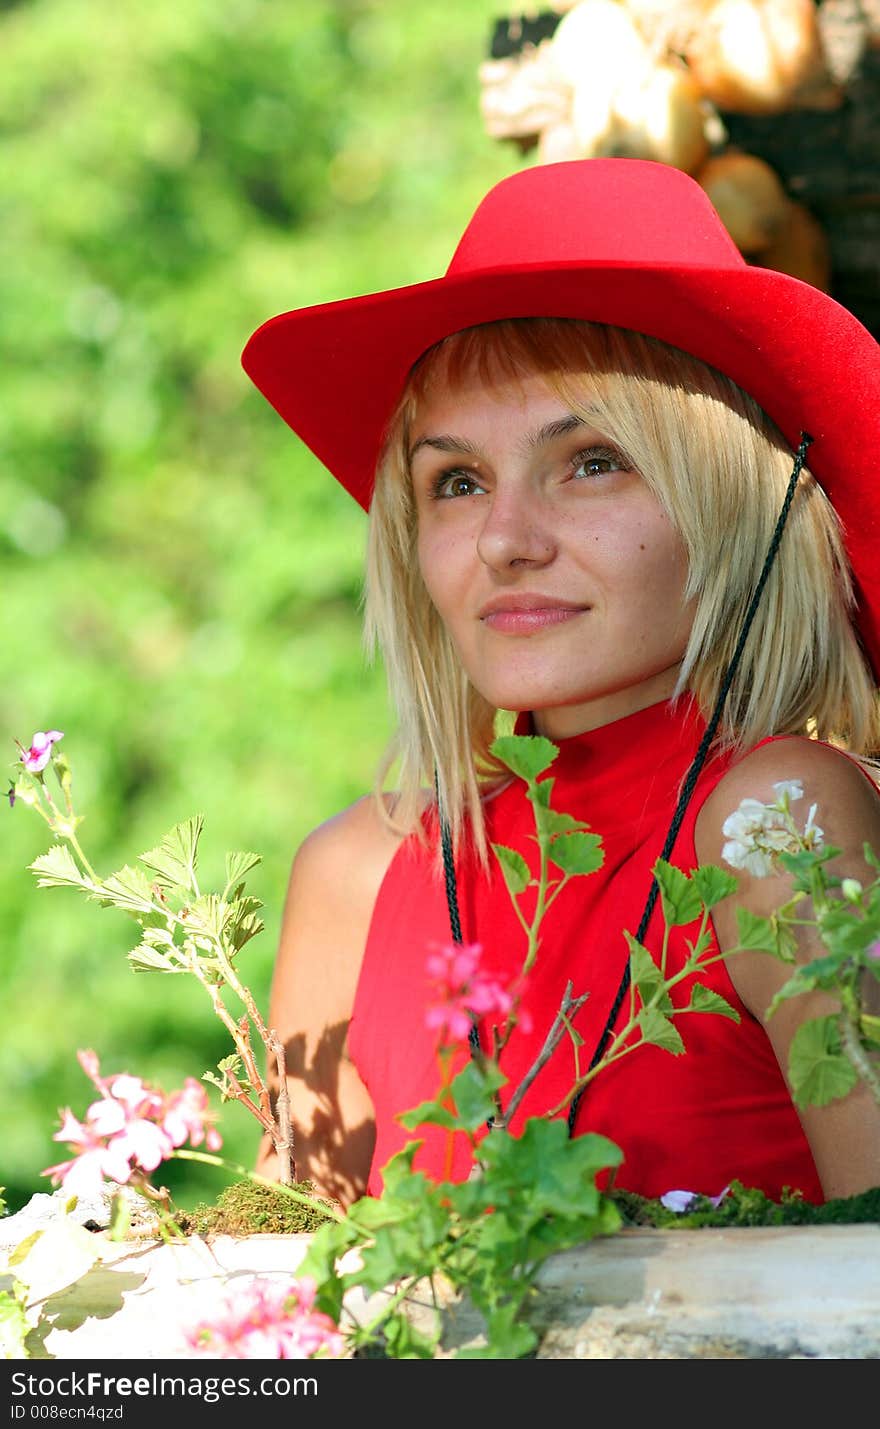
x=283 y=1133
x=569 y=1006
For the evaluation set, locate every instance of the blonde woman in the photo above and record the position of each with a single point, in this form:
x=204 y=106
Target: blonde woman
x=620 y=487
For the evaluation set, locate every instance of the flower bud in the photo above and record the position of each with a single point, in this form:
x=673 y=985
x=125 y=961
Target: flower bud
x=851 y=890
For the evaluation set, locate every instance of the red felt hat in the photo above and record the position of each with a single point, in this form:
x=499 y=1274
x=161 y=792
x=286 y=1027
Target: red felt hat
x=623 y=241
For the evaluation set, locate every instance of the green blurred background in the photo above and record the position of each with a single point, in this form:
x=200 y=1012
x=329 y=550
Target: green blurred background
x=181 y=579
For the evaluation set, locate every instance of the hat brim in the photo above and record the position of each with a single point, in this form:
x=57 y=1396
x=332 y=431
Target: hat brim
x=809 y=363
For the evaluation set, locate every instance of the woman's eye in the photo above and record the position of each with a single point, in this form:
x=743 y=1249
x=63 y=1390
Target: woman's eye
x=455 y=483
x=598 y=461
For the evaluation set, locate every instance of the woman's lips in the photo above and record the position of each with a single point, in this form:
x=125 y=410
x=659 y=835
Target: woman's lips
x=524 y=622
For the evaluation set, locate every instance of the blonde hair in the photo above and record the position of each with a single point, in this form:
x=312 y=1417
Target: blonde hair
x=720 y=468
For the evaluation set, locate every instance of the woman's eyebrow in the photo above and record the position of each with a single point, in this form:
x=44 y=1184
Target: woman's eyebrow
x=445 y=443
x=560 y=427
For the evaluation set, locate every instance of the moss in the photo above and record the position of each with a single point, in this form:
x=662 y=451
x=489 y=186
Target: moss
x=247 y=1208
x=746 y=1206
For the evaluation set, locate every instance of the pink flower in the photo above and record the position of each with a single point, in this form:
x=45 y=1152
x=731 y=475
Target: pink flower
x=186 y=1115
x=261 y=1320
x=873 y=951
x=462 y=990
x=130 y=1128
x=40 y=752
x=94 y=1160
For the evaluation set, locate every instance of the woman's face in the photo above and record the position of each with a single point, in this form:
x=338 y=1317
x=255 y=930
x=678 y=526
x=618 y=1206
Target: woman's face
x=553 y=566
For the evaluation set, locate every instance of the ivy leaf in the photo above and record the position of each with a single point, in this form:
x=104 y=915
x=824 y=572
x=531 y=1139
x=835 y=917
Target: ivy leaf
x=173 y=861
x=680 y=896
x=527 y=755
x=58 y=868
x=514 y=867
x=713 y=884
x=577 y=853
x=818 y=1070
x=703 y=999
x=659 y=1031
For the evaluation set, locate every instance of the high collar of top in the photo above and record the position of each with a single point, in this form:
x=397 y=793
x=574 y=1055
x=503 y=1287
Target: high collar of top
x=617 y=775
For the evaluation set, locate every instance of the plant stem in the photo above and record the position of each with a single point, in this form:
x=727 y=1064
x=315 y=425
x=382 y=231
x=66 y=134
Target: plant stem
x=852 y=1046
x=211 y=1160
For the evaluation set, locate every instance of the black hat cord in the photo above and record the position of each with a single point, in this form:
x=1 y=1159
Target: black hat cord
x=683 y=801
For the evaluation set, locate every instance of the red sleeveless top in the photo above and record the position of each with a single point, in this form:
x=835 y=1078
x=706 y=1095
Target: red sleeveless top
x=694 y=1122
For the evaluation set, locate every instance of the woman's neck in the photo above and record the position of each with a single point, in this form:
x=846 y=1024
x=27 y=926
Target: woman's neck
x=565 y=721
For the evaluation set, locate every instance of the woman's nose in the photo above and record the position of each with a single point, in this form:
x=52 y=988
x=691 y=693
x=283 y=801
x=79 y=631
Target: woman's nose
x=515 y=530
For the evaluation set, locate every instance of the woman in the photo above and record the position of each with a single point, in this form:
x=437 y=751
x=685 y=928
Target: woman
x=584 y=455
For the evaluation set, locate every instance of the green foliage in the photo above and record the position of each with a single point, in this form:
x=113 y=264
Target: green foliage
x=527 y=755
x=180 y=576
x=13 y=1323
x=819 y=1071
x=747 y=1206
x=536 y=1195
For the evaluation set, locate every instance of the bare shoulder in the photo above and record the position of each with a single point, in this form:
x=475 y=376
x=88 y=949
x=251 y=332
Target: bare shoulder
x=846 y=794
x=844 y=1135
x=335 y=877
x=355 y=845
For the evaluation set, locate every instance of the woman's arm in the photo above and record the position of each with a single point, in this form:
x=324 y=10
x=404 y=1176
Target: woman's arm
x=334 y=881
x=844 y=1135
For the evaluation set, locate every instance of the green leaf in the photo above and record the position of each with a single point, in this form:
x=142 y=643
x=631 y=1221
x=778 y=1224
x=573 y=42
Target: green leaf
x=577 y=853
x=128 y=889
x=238 y=864
x=506 y=1337
x=207 y=915
x=527 y=755
x=755 y=933
x=120 y=1218
x=429 y=1113
x=146 y=959
x=552 y=821
x=13 y=1327
x=472 y=1091
x=646 y=975
x=173 y=861
x=713 y=884
x=870 y=856
x=404 y=1342
x=818 y=1070
x=514 y=867
x=869 y=1027
x=703 y=999
x=58 y=868
x=659 y=1031
x=680 y=896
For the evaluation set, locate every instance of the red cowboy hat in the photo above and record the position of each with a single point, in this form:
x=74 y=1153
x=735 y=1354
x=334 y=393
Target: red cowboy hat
x=623 y=241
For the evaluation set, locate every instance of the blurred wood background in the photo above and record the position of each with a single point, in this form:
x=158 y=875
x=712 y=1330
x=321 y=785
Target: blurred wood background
x=824 y=147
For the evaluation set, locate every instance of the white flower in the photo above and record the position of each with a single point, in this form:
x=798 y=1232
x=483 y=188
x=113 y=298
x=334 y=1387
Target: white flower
x=757 y=832
x=792 y=787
